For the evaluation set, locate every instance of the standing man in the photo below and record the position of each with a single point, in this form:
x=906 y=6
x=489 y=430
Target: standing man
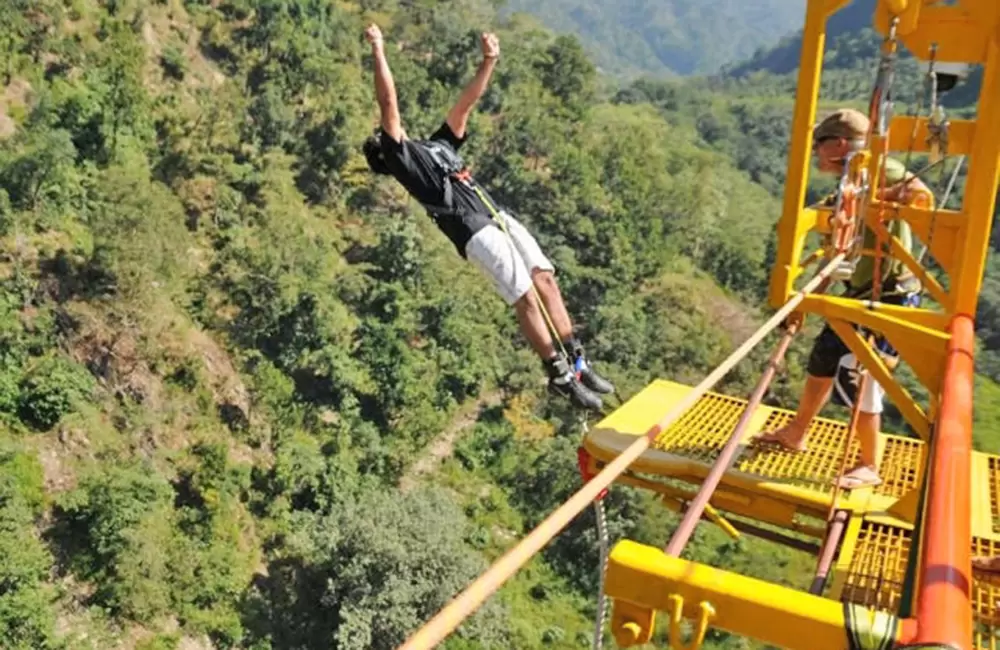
x=839 y=135
x=483 y=232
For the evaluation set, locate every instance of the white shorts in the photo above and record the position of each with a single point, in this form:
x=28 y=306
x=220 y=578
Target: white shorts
x=871 y=401
x=508 y=264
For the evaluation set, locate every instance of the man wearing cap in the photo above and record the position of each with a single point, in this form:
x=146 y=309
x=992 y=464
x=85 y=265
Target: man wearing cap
x=831 y=367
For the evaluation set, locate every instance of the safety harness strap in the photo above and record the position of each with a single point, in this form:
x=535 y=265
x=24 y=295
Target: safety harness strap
x=868 y=629
x=452 y=168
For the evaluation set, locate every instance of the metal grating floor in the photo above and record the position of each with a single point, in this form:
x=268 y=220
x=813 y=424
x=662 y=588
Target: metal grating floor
x=877 y=564
x=815 y=468
x=702 y=432
x=986 y=598
x=900 y=466
x=878 y=568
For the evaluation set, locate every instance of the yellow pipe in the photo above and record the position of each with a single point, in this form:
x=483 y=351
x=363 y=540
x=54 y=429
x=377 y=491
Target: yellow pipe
x=896 y=6
x=980 y=189
x=791 y=230
x=645 y=578
x=762 y=508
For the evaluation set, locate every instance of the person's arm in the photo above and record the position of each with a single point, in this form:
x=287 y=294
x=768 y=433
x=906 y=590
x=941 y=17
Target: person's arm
x=913 y=190
x=385 y=87
x=458 y=117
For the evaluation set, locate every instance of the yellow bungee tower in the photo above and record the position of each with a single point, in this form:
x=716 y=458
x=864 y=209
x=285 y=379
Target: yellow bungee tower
x=902 y=574
x=893 y=561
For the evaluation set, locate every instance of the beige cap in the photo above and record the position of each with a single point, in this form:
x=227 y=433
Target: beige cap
x=845 y=123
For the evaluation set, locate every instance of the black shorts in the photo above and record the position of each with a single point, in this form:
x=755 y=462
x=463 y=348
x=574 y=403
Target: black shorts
x=829 y=349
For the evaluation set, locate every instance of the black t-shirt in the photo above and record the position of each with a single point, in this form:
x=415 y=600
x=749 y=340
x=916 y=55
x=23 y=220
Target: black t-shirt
x=412 y=164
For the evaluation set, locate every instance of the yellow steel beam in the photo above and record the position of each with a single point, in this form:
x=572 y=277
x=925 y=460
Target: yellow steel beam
x=923 y=348
x=914 y=415
x=947 y=224
x=943 y=242
x=842 y=568
x=902 y=138
x=983 y=483
x=984 y=12
x=980 y=188
x=958 y=35
x=927 y=326
x=753 y=506
x=927 y=281
x=744 y=494
x=643 y=580
x=791 y=228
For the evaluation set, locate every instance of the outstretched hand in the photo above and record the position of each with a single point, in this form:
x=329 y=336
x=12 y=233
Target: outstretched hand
x=374 y=35
x=491 y=45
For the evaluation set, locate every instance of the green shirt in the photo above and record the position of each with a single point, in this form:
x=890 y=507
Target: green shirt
x=891 y=268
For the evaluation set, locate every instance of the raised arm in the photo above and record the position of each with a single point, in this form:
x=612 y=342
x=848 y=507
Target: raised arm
x=385 y=87
x=458 y=117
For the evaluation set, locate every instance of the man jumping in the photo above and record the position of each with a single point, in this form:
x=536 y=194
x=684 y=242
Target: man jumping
x=483 y=232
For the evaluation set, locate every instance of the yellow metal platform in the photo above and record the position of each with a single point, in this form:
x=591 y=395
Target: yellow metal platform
x=794 y=490
x=768 y=483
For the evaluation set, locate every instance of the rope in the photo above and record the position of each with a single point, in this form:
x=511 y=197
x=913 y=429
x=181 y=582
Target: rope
x=881 y=101
x=602 y=601
x=602 y=541
x=939 y=205
x=460 y=607
x=733 y=447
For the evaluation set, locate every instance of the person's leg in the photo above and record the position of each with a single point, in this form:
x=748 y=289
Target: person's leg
x=823 y=360
x=814 y=397
x=986 y=563
x=548 y=289
x=543 y=276
x=492 y=253
x=865 y=472
x=532 y=325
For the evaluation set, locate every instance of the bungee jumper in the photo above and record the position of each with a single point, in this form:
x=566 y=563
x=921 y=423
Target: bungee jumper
x=832 y=369
x=484 y=233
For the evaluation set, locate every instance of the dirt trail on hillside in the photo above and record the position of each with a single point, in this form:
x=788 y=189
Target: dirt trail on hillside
x=442 y=447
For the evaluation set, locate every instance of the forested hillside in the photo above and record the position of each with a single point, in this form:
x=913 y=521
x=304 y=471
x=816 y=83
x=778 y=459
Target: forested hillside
x=628 y=37
x=250 y=397
x=226 y=345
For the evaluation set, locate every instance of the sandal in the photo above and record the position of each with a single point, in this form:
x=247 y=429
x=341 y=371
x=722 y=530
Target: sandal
x=859 y=477
x=986 y=564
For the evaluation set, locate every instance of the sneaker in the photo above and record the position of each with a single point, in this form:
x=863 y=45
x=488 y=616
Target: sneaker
x=590 y=378
x=564 y=383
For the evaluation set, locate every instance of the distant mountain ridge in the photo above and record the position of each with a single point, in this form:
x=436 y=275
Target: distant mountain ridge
x=853 y=21
x=681 y=37
x=851 y=55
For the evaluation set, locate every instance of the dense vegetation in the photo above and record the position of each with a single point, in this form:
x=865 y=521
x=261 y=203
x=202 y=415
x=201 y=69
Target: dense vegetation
x=666 y=37
x=226 y=348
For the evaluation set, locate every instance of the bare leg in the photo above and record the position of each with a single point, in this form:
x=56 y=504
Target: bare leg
x=865 y=473
x=987 y=564
x=814 y=396
x=868 y=426
x=532 y=323
x=548 y=289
